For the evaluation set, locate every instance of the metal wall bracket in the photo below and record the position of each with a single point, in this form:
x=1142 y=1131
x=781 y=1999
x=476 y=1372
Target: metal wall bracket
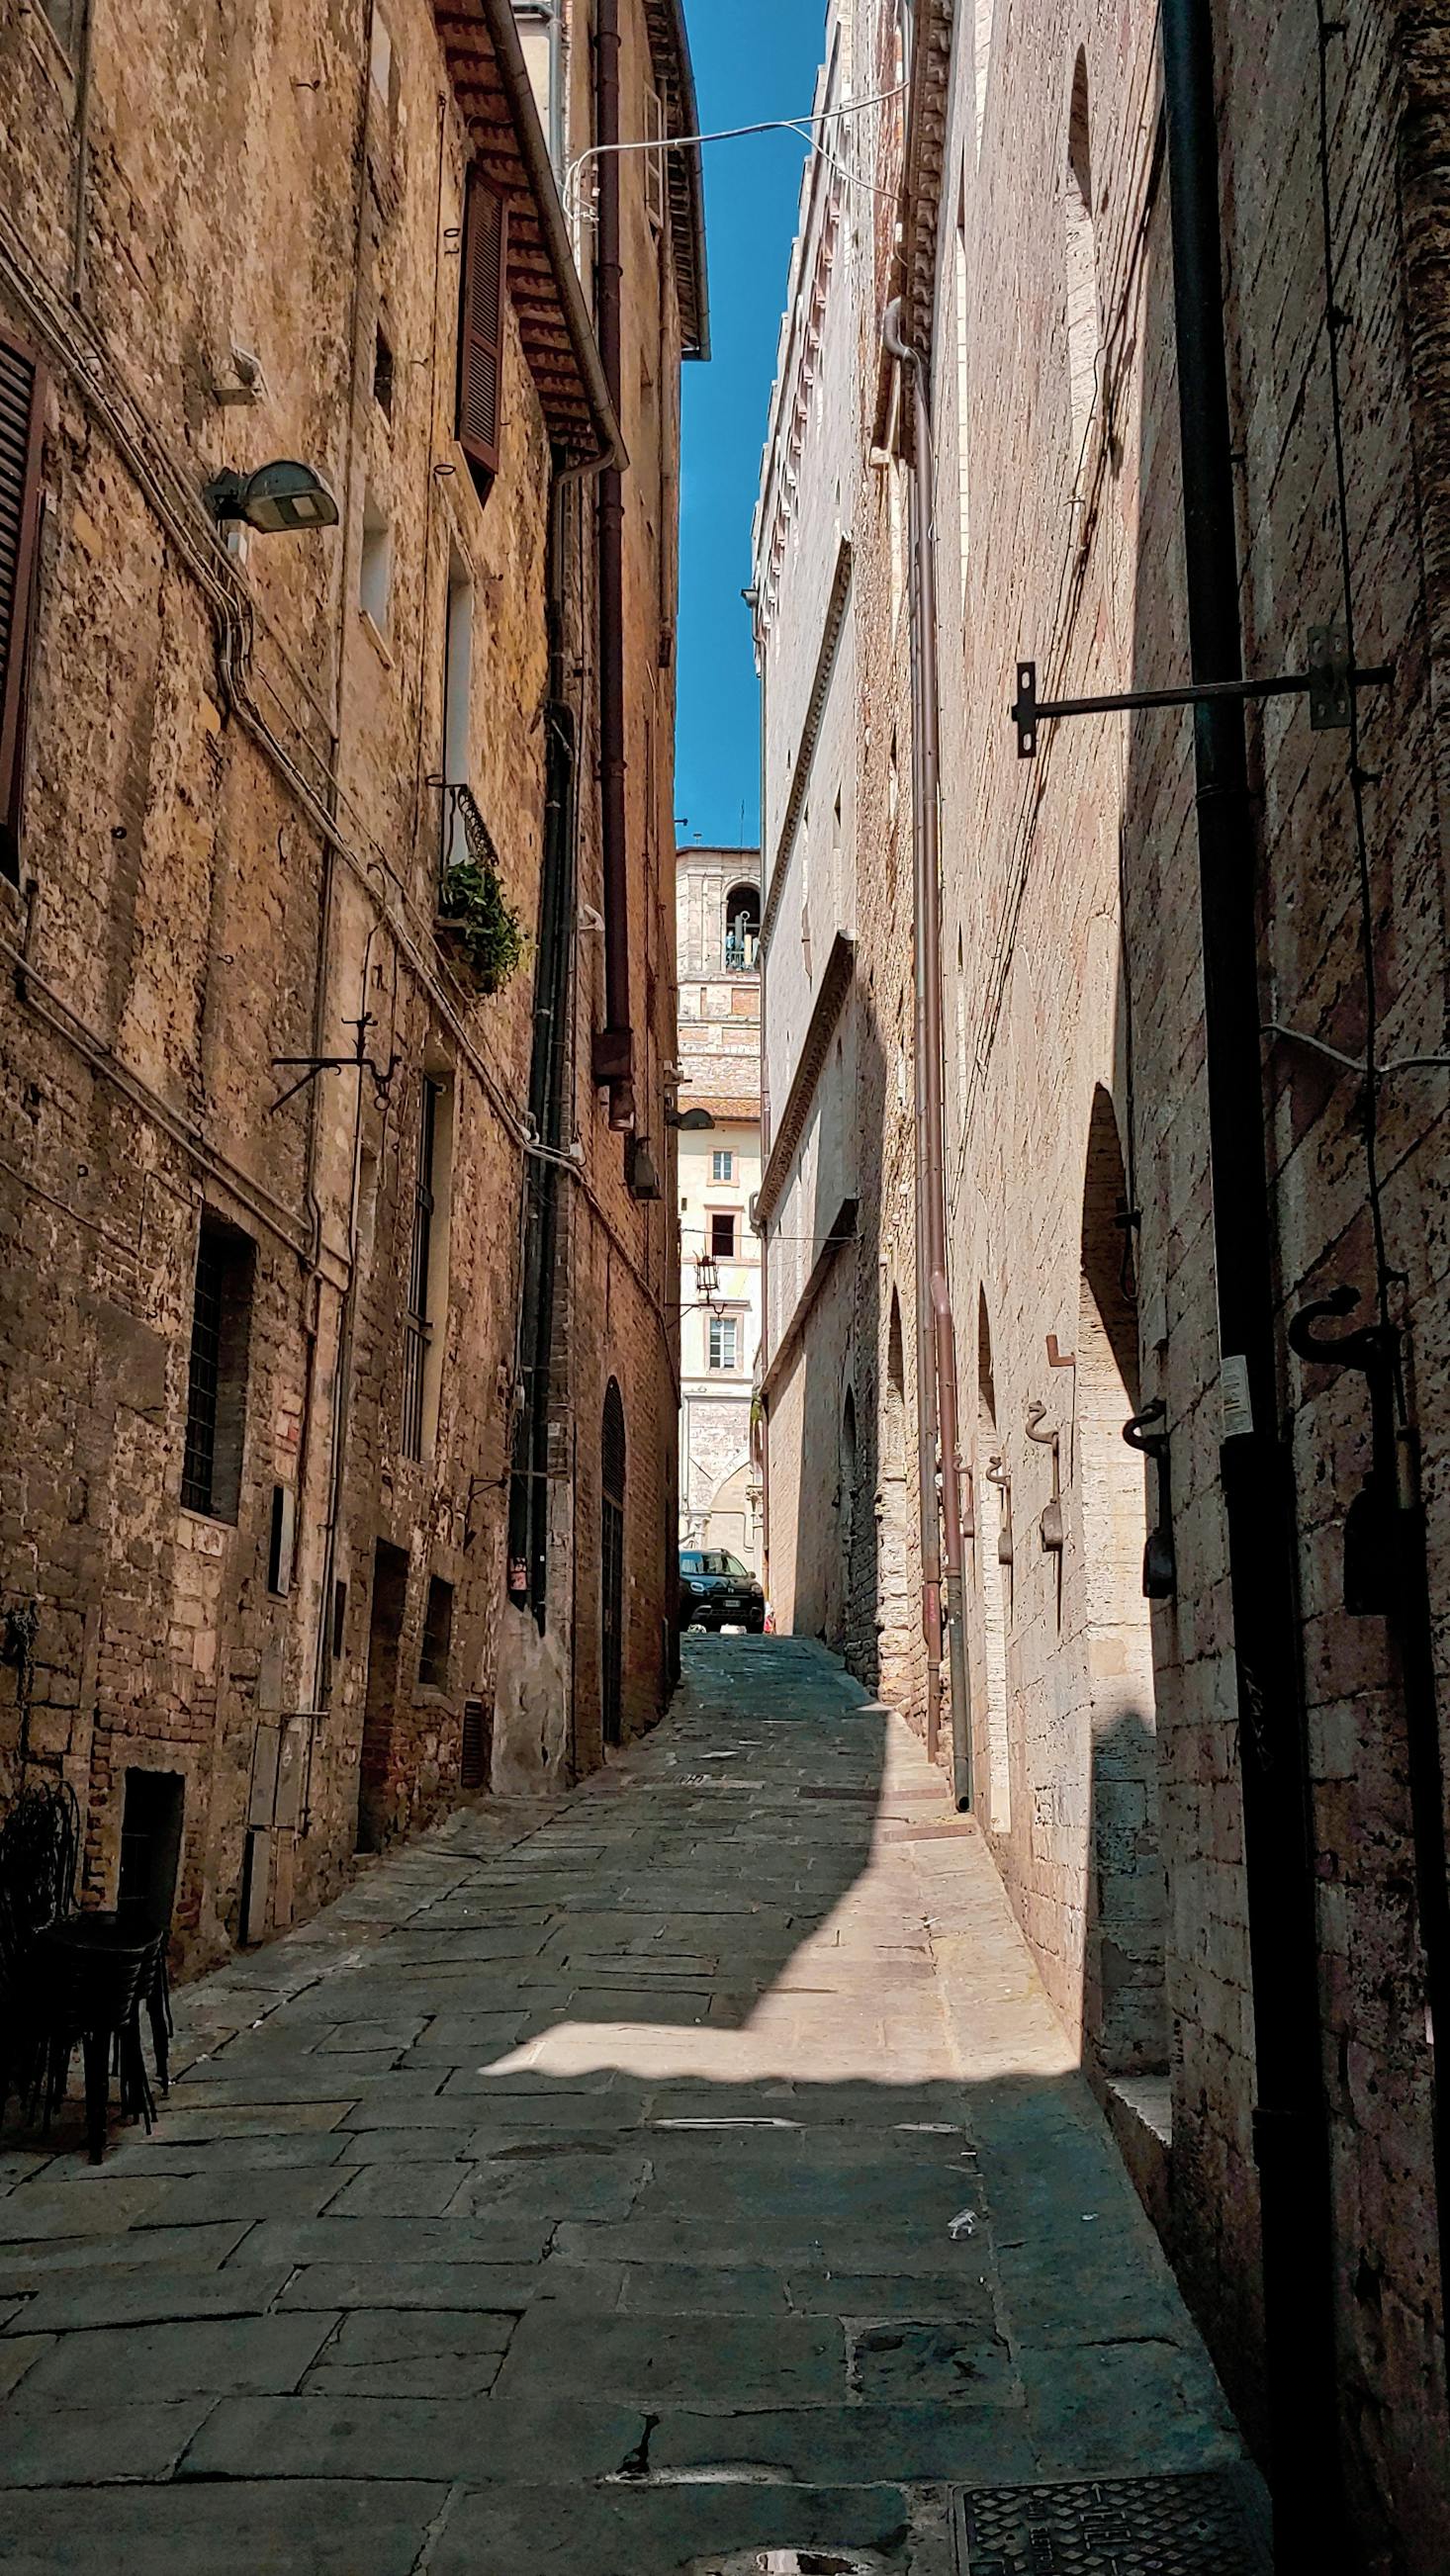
x=1160 y=1561
x=1049 y=1527
x=1328 y=684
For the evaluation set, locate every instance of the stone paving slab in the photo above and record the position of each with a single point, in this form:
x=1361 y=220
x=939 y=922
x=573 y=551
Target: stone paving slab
x=270 y=2529
x=660 y=2530
x=688 y=2168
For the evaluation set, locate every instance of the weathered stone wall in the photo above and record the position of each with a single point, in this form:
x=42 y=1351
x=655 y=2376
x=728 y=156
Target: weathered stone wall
x=221 y=868
x=1076 y=1079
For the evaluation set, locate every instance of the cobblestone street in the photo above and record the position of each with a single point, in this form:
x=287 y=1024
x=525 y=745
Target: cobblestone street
x=686 y=2171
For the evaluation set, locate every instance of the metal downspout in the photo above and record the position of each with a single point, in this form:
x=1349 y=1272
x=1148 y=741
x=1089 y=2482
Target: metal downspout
x=931 y=1138
x=1291 y=2135
x=614 y=1045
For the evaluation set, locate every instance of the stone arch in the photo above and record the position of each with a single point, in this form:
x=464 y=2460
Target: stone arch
x=742 y=928
x=990 y=1522
x=1124 y=2002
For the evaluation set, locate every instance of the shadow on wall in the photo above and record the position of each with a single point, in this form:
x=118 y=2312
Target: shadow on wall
x=839 y=1572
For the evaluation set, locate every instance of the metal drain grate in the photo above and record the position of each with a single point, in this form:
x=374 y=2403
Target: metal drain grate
x=1179 y=2526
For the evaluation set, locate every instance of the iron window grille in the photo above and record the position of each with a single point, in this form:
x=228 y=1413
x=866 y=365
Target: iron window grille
x=217 y=1375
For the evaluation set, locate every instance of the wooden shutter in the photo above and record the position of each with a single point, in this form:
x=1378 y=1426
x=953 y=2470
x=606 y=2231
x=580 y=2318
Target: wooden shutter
x=21 y=392
x=481 y=327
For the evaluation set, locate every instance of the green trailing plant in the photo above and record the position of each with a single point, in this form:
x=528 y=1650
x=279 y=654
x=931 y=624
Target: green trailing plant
x=488 y=932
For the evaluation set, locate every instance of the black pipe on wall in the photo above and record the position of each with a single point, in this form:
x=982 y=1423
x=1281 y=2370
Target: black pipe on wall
x=614 y=1044
x=1291 y=2132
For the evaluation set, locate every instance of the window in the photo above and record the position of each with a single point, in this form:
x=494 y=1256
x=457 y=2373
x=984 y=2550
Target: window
x=380 y=64
x=281 y=1547
x=742 y=929
x=722 y=1167
x=1083 y=339
x=427 y=1272
x=67 y=19
x=375 y=573
x=475 y=1753
x=654 y=161
x=724 y=1333
x=457 y=703
x=437 y=1649
x=722 y=1234
x=963 y=382
x=383 y=377
x=21 y=402
x=216 y=1394
x=481 y=329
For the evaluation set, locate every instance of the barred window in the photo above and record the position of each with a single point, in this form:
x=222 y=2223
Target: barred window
x=216 y=1394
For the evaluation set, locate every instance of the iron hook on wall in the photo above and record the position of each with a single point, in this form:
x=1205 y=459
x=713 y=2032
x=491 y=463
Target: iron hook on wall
x=1050 y=1525
x=1160 y=1562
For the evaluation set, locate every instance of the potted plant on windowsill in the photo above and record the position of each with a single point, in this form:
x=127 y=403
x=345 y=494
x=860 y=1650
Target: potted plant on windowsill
x=478 y=925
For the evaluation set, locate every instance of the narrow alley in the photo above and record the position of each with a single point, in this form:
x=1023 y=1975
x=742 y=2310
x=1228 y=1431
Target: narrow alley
x=689 y=2172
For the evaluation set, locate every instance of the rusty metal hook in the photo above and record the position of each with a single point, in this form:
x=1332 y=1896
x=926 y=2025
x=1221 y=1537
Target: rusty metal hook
x=1362 y=1349
x=1139 y=1434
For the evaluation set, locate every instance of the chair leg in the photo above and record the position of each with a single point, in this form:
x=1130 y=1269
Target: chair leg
x=97 y=2051
x=160 y=2020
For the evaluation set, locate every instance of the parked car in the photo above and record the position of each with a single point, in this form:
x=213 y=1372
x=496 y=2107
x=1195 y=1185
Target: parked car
x=717 y=1591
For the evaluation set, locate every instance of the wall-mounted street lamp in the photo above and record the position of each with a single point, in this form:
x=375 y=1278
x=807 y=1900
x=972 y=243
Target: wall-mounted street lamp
x=278 y=497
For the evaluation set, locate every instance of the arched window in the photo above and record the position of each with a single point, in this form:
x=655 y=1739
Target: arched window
x=742 y=929
x=1084 y=337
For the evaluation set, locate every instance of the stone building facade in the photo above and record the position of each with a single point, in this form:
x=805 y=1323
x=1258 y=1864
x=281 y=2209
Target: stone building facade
x=1035 y=270
x=718 y=1009
x=270 y=1148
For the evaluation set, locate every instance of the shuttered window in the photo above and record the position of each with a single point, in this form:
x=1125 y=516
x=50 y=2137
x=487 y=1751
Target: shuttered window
x=481 y=328
x=20 y=410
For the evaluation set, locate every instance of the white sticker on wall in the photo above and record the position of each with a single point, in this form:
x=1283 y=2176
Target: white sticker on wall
x=1238 y=1411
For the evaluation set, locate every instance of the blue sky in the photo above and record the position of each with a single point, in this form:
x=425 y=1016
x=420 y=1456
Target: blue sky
x=753 y=59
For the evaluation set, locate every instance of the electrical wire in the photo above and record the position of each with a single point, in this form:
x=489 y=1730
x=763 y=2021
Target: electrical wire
x=733 y=134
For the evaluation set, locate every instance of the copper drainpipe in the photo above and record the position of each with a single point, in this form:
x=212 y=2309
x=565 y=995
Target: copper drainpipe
x=614 y=1043
x=938 y=1342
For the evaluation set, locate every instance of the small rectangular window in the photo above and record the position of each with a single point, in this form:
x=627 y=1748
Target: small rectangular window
x=723 y=1333
x=216 y=1395
x=654 y=161
x=380 y=61
x=437 y=1649
x=722 y=1167
x=339 y=1620
x=383 y=373
x=282 y=1543
x=722 y=1235
x=375 y=573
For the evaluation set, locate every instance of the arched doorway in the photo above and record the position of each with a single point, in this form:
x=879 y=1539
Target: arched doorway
x=846 y=1524
x=993 y=1523
x=894 y=1616
x=1124 y=2000
x=611 y=1556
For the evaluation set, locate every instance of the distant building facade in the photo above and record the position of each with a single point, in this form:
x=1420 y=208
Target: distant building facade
x=339 y=1305
x=718 y=936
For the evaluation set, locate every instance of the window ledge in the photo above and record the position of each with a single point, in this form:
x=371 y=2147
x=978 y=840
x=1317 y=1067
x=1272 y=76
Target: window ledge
x=375 y=637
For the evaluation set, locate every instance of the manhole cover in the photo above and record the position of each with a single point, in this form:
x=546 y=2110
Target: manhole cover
x=1181 y=2526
